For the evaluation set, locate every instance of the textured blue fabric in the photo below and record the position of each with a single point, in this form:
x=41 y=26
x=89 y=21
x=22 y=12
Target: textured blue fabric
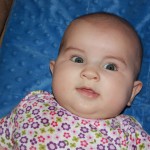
x=32 y=38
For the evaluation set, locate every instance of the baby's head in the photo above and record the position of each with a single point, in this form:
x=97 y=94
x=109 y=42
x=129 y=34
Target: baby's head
x=95 y=74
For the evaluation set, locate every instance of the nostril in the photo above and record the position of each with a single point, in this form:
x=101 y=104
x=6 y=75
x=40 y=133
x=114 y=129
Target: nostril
x=90 y=75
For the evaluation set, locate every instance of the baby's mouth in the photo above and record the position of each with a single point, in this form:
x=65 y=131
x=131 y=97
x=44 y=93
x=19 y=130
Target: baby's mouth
x=88 y=92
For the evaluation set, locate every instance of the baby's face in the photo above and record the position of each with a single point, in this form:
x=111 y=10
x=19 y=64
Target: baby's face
x=93 y=76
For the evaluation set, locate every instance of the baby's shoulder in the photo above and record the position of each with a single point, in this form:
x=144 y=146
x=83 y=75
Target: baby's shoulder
x=37 y=96
x=132 y=127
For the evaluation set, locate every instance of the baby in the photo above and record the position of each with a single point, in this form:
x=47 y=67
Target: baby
x=94 y=79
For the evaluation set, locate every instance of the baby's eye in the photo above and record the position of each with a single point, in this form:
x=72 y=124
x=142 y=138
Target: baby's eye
x=77 y=59
x=111 y=67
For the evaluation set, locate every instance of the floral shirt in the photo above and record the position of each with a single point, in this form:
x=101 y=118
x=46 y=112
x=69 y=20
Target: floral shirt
x=40 y=123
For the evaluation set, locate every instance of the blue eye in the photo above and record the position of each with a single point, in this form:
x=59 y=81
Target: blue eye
x=77 y=59
x=111 y=67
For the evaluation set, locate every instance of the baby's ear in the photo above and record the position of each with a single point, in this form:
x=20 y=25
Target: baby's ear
x=52 y=65
x=136 y=89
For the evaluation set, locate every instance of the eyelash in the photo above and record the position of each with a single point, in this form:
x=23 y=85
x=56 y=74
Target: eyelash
x=72 y=59
x=114 y=65
x=75 y=56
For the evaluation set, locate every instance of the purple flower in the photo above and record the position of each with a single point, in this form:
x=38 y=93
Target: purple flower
x=51 y=108
x=109 y=138
x=1 y=130
x=93 y=128
x=132 y=130
x=104 y=131
x=7 y=133
x=111 y=147
x=35 y=111
x=28 y=108
x=40 y=100
x=25 y=125
x=51 y=146
x=117 y=141
x=65 y=126
x=37 y=117
x=79 y=148
x=60 y=113
x=81 y=135
x=62 y=144
x=35 y=125
x=84 y=129
x=44 y=120
x=20 y=111
x=76 y=117
x=17 y=135
x=24 y=139
x=134 y=147
x=23 y=147
x=100 y=147
x=143 y=133
x=33 y=141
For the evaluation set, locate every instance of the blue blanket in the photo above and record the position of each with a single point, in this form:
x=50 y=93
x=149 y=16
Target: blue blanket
x=33 y=33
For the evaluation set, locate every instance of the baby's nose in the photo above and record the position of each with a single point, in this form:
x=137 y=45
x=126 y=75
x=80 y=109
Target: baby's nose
x=90 y=73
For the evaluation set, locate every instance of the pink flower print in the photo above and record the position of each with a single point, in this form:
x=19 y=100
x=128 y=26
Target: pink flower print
x=138 y=141
x=41 y=139
x=119 y=131
x=90 y=137
x=66 y=135
x=104 y=140
x=96 y=123
x=24 y=105
x=34 y=104
x=30 y=119
x=1 y=121
x=84 y=143
x=30 y=132
x=131 y=138
x=52 y=113
x=124 y=143
x=57 y=137
x=16 y=124
x=54 y=123
x=84 y=122
x=32 y=148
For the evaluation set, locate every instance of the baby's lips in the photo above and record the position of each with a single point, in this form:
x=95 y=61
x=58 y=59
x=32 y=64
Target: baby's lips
x=87 y=92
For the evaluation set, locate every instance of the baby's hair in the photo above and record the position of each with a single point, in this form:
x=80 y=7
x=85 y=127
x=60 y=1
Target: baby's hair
x=105 y=16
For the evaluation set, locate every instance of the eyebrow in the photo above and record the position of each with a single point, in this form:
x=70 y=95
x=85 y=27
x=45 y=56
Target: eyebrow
x=73 y=48
x=117 y=58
